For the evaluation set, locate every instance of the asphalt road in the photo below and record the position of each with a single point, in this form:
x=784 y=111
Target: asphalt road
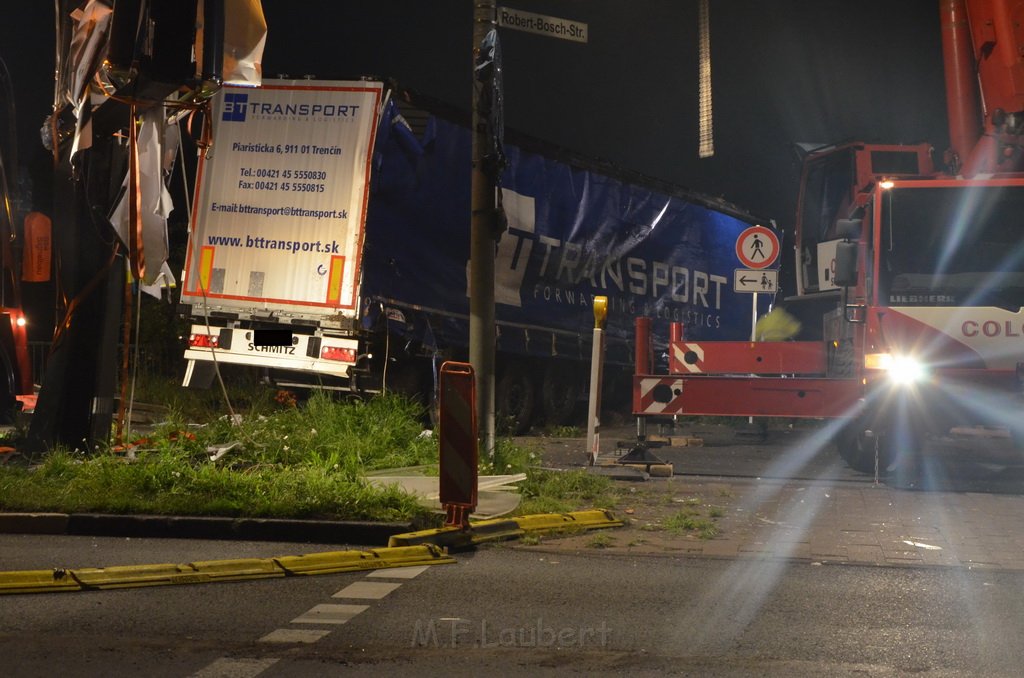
x=515 y=611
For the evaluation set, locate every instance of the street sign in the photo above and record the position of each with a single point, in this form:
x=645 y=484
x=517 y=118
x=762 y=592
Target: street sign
x=542 y=24
x=748 y=280
x=757 y=247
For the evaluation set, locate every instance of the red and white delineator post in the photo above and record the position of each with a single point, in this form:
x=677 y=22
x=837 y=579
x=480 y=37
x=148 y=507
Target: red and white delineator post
x=457 y=438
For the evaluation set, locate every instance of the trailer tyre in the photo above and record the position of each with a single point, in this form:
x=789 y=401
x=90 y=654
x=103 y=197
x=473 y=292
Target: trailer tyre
x=560 y=391
x=898 y=452
x=515 y=399
x=857 y=449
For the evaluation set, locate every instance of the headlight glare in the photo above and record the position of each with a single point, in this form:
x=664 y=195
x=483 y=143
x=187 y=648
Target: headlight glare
x=901 y=369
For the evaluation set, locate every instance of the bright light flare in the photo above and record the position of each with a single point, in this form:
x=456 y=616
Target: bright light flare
x=902 y=370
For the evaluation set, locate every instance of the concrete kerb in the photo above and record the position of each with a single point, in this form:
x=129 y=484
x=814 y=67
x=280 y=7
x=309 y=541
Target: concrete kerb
x=202 y=527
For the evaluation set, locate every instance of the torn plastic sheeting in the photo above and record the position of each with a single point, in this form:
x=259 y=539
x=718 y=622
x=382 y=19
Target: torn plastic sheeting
x=245 y=35
x=154 y=137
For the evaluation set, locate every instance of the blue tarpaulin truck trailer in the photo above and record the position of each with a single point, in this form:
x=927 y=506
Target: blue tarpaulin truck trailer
x=329 y=244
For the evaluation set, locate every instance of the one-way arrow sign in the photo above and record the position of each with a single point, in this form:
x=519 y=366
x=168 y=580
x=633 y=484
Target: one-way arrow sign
x=749 y=280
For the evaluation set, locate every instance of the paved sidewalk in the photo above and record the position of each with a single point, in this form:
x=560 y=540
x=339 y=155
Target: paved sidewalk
x=866 y=524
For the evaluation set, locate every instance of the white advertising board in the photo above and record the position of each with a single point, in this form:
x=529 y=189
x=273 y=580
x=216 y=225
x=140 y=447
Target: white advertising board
x=281 y=198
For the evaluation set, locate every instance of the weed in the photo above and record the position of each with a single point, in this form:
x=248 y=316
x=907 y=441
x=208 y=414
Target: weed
x=715 y=511
x=508 y=458
x=562 y=491
x=601 y=540
x=563 y=432
x=689 y=521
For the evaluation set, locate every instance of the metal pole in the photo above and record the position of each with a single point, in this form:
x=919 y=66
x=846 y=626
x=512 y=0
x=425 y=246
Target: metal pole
x=753 y=331
x=596 y=371
x=481 y=263
x=642 y=364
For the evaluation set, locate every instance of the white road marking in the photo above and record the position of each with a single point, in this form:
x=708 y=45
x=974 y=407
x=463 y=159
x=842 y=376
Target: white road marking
x=920 y=545
x=235 y=668
x=294 y=636
x=399 y=572
x=329 y=614
x=368 y=590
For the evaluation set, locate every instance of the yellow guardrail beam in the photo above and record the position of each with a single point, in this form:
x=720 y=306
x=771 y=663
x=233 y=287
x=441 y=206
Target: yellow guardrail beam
x=128 y=576
x=497 y=529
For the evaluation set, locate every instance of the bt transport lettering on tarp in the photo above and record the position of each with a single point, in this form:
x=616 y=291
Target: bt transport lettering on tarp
x=566 y=275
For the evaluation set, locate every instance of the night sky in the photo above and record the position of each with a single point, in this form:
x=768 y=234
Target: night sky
x=784 y=71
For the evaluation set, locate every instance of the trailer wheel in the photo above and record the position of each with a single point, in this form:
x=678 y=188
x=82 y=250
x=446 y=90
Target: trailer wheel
x=514 y=398
x=857 y=449
x=898 y=450
x=560 y=391
x=409 y=379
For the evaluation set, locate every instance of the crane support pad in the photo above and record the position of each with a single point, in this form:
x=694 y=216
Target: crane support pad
x=497 y=529
x=131 y=576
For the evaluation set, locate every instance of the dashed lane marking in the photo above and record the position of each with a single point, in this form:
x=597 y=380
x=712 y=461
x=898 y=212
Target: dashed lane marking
x=235 y=668
x=399 y=572
x=367 y=590
x=319 y=614
x=294 y=635
x=329 y=614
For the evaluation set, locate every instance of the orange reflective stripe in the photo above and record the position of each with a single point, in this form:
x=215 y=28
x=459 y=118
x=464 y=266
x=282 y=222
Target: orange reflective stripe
x=334 y=280
x=205 y=269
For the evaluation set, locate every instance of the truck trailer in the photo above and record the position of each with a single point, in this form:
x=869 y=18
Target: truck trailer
x=329 y=247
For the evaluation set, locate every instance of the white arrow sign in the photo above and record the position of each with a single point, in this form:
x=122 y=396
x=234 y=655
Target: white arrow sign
x=749 y=280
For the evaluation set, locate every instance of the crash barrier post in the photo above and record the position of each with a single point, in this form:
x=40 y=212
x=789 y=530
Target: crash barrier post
x=596 y=372
x=458 y=442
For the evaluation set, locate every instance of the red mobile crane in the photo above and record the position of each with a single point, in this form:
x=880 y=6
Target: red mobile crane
x=910 y=276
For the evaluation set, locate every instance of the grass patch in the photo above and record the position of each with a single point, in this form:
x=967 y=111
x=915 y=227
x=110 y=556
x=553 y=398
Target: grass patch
x=165 y=483
x=564 y=491
x=691 y=521
x=563 y=432
x=601 y=540
x=291 y=462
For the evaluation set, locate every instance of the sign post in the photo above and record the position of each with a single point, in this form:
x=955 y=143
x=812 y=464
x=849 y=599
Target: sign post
x=757 y=248
x=596 y=371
